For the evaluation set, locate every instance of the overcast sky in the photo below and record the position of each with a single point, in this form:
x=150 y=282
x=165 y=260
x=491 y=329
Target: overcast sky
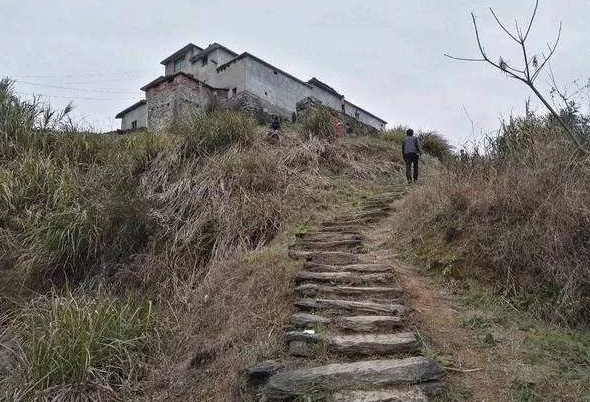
x=386 y=56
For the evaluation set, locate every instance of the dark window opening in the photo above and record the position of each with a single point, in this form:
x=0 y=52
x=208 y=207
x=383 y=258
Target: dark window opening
x=178 y=64
x=205 y=60
x=275 y=72
x=357 y=115
x=343 y=108
x=134 y=124
x=266 y=93
x=234 y=91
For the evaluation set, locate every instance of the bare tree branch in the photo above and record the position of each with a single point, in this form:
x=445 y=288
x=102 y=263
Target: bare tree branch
x=526 y=35
x=524 y=75
x=502 y=26
x=552 y=50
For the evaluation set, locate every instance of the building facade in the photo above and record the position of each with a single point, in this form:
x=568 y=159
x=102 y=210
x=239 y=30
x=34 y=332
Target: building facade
x=194 y=76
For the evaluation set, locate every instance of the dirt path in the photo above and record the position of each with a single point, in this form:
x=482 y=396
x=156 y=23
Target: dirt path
x=438 y=315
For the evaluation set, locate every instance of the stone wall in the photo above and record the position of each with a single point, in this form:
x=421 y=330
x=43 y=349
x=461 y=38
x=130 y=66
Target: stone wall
x=169 y=100
x=355 y=126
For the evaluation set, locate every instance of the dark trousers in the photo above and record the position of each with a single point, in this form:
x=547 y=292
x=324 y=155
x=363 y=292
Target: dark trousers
x=411 y=159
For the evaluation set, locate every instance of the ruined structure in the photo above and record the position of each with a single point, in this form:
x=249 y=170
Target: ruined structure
x=194 y=77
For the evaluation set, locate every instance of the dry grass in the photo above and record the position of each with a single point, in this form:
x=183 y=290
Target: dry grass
x=182 y=221
x=518 y=220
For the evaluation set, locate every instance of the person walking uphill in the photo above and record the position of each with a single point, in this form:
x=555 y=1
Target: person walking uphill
x=411 y=152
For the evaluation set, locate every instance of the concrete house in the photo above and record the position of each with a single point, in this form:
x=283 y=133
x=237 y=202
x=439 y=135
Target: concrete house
x=194 y=76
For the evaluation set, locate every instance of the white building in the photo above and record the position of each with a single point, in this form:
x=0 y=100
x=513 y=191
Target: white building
x=193 y=76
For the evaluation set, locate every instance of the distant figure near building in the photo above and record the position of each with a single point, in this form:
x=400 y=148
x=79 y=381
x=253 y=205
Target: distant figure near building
x=411 y=152
x=275 y=129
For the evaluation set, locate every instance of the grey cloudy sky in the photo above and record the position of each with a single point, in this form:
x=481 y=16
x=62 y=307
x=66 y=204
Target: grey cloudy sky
x=386 y=56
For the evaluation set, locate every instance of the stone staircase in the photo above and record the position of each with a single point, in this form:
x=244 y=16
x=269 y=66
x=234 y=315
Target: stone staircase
x=350 y=310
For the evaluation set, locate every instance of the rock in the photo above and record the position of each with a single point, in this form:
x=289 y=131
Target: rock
x=373 y=344
x=342 y=277
x=369 y=323
x=302 y=337
x=326 y=245
x=352 y=306
x=326 y=257
x=308 y=320
x=346 y=376
x=311 y=266
x=262 y=371
x=312 y=289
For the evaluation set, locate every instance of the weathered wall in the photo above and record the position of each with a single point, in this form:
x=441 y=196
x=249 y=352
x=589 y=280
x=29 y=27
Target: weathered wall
x=232 y=76
x=276 y=88
x=138 y=114
x=208 y=73
x=353 y=111
x=327 y=98
x=187 y=68
x=167 y=101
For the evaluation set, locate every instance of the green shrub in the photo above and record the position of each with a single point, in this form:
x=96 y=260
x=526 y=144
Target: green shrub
x=318 y=123
x=435 y=144
x=396 y=134
x=208 y=133
x=69 y=347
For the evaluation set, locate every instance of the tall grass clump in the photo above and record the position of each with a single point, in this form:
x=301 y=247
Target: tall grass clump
x=205 y=133
x=395 y=134
x=436 y=145
x=518 y=217
x=318 y=122
x=76 y=347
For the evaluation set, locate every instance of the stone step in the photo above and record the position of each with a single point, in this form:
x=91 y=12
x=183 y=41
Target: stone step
x=413 y=394
x=358 y=323
x=360 y=344
x=341 y=229
x=351 y=221
x=331 y=245
x=373 y=344
x=351 y=306
x=330 y=236
x=325 y=257
x=311 y=266
x=347 y=376
x=312 y=289
x=372 y=213
x=343 y=277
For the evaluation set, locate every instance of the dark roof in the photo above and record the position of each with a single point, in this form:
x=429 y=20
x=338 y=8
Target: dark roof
x=251 y=56
x=315 y=82
x=179 y=53
x=168 y=78
x=369 y=113
x=130 y=108
x=210 y=49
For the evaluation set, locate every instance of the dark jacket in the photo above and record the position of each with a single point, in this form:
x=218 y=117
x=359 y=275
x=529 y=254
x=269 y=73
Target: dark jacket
x=411 y=145
x=275 y=125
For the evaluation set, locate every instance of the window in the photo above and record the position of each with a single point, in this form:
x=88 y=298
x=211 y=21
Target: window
x=134 y=124
x=205 y=60
x=178 y=64
x=234 y=91
x=357 y=115
x=275 y=72
x=266 y=93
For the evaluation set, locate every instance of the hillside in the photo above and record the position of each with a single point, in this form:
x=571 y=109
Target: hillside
x=129 y=261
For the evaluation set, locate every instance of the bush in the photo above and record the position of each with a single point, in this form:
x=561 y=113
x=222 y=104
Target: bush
x=396 y=134
x=435 y=144
x=77 y=347
x=318 y=122
x=208 y=133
